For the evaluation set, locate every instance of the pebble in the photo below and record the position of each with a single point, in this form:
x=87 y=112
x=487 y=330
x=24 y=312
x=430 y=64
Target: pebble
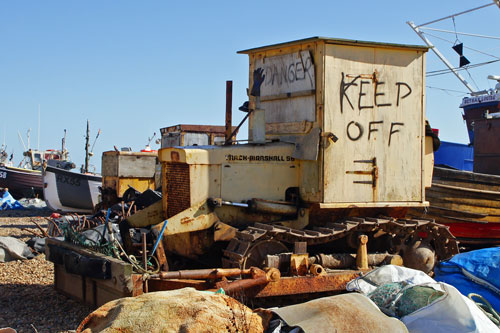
x=28 y=300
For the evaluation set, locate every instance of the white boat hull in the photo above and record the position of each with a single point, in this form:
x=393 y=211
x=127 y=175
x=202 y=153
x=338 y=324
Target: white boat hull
x=66 y=191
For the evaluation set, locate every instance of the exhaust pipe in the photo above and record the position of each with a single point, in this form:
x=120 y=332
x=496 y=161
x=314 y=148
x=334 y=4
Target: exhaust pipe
x=229 y=115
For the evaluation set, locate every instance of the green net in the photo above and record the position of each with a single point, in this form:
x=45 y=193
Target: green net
x=77 y=238
x=399 y=299
x=385 y=295
x=415 y=298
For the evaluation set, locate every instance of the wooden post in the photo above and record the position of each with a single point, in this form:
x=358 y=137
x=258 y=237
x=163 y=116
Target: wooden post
x=362 y=256
x=229 y=106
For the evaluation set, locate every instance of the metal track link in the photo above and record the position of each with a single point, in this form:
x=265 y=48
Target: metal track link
x=400 y=230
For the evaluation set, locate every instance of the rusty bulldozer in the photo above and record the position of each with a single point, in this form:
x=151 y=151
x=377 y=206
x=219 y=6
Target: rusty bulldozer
x=336 y=155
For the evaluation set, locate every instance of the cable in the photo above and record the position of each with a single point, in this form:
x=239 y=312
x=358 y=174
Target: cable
x=447 y=71
x=134 y=261
x=486 y=307
x=472 y=79
x=465 y=47
x=463 y=93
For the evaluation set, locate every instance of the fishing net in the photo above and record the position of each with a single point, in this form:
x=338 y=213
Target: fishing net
x=399 y=299
x=102 y=246
x=414 y=298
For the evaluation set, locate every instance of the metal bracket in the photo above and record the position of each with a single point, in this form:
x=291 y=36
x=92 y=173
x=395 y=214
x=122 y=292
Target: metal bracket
x=373 y=172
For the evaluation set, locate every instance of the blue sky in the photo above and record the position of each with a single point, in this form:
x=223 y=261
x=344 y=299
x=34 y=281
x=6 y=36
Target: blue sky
x=132 y=67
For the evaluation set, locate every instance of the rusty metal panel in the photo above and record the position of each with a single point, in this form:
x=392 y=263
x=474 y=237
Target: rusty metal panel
x=161 y=285
x=305 y=284
x=487 y=146
x=171 y=140
x=195 y=218
x=196 y=139
x=187 y=135
x=129 y=164
x=178 y=192
x=331 y=282
x=374 y=107
x=194 y=128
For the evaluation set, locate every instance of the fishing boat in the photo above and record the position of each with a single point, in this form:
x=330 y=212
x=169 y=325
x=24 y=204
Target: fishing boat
x=468 y=202
x=465 y=191
x=68 y=191
x=22 y=183
x=25 y=181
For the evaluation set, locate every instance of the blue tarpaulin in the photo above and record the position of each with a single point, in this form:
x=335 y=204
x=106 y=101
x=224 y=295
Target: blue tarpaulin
x=8 y=202
x=474 y=272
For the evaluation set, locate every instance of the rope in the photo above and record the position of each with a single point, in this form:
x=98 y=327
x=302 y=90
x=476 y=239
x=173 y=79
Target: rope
x=81 y=240
x=486 y=307
x=108 y=248
x=133 y=261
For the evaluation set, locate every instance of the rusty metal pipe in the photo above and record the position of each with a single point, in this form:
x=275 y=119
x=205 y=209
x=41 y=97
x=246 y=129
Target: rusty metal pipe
x=272 y=207
x=346 y=260
x=144 y=259
x=259 y=277
x=241 y=123
x=229 y=116
x=236 y=204
x=202 y=274
x=239 y=285
x=337 y=260
x=317 y=270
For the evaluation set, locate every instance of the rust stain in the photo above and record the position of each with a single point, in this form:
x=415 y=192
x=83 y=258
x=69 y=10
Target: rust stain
x=174 y=156
x=187 y=220
x=359 y=172
x=305 y=284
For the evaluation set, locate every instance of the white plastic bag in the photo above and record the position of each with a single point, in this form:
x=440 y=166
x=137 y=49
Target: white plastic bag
x=453 y=312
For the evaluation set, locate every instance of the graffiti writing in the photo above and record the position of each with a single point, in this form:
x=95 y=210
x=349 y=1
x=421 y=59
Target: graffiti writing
x=359 y=133
x=288 y=73
x=378 y=89
x=356 y=131
x=368 y=92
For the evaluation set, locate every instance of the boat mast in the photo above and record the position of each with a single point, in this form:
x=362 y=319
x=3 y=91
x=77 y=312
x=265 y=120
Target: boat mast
x=440 y=56
x=86 y=169
x=63 y=146
x=28 y=134
x=419 y=32
x=38 y=147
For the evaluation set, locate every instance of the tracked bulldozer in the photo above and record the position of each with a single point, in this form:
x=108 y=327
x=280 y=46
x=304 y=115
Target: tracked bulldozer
x=336 y=154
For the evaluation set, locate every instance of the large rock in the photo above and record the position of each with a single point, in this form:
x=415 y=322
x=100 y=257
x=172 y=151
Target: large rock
x=183 y=310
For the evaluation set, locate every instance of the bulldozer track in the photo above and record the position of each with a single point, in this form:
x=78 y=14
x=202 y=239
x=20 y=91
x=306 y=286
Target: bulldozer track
x=399 y=230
